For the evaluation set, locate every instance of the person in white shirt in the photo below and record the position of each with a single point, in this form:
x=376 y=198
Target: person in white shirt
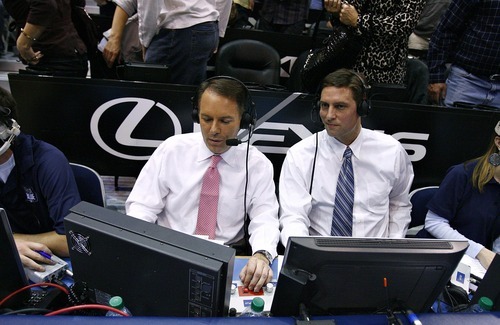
x=167 y=191
x=182 y=34
x=382 y=170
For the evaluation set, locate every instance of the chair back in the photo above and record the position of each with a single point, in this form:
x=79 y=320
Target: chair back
x=419 y=199
x=90 y=184
x=249 y=61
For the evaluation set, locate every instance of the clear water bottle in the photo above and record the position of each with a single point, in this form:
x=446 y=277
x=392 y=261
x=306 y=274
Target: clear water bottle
x=484 y=305
x=117 y=303
x=255 y=309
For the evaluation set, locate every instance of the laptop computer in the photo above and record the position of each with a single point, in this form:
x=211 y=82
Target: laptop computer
x=490 y=285
x=12 y=275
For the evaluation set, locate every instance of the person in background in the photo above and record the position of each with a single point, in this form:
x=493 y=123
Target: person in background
x=385 y=26
x=180 y=34
x=37 y=189
x=418 y=42
x=468 y=37
x=170 y=189
x=244 y=10
x=48 y=41
x=466 y=205
x=381 y=172
x=288 y=17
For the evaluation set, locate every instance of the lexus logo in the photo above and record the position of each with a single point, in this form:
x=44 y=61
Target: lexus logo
x=130 y=141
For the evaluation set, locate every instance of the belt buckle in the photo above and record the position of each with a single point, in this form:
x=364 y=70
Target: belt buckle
x=495 y=77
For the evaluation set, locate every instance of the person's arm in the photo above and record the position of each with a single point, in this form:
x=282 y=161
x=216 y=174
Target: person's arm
x=264 y=226
x=439 y=227
x=113 y=46
x=55 y=242
x=399 y=201
x=295 y=200
x=29 y=34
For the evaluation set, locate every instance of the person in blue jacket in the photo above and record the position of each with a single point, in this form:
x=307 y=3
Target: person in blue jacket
x=37 y=189
x=466 y=206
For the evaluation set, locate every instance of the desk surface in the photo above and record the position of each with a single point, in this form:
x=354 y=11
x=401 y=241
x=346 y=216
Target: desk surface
x=427 y=319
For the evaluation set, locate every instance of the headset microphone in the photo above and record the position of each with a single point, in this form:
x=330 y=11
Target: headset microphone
x=234 y=142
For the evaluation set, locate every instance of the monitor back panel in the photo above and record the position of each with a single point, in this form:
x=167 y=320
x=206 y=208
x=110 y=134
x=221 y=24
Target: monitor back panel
x=157 y=271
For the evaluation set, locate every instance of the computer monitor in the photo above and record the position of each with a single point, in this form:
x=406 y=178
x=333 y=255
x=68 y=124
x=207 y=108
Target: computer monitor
x=157 y=271
x=343 y=275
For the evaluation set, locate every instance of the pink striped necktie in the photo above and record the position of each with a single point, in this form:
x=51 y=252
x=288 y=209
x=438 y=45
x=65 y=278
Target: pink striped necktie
x=209 y=200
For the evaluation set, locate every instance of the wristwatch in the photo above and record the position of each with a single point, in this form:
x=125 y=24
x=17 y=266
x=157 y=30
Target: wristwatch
x=266 y=254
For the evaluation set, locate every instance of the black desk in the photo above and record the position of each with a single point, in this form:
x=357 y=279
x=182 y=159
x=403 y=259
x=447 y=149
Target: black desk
x=427 y=319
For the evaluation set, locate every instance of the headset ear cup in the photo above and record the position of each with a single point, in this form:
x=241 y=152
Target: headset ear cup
x=364 y=108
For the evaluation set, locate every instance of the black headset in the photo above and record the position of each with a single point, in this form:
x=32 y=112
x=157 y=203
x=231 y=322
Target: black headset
x=249 y=116
x=363 y=109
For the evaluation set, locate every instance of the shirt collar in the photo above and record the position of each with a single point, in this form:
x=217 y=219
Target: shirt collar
x=339 y=148
x=204 y=153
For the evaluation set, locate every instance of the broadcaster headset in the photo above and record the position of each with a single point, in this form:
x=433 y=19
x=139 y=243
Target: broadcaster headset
x=364 y=107
x=249 y=115
x=9 y=129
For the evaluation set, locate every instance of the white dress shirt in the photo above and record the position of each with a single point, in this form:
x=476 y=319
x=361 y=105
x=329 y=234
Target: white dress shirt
x=175 y=14
x=167 y=191
x=383 y=175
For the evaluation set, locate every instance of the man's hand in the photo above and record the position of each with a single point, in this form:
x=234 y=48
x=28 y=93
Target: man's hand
x=257 y=273
x=112 y=50
x=29 y=256
x=436 y=92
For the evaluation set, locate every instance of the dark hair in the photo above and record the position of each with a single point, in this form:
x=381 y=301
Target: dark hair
x=226 y=87
x=344 y=78
x=8 y=105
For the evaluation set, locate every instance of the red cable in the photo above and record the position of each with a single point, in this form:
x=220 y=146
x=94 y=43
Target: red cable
x=89 y=306
x=42 y=284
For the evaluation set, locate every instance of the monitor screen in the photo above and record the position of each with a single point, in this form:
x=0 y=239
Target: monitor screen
x=343 y=275
x=157 y=271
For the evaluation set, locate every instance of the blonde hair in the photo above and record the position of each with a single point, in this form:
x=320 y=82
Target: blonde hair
x=484 y=171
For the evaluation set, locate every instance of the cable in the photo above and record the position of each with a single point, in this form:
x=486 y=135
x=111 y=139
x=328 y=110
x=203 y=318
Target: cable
x=89 y=306
x=245 y=216
x=28 y=310
x=42 y=284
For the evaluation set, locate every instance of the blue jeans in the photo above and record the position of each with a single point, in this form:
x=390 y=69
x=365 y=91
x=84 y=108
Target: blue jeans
x=185 y=51
x=464 y=87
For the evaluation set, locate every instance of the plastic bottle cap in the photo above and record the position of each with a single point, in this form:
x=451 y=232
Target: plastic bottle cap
x=116 y=302
x=485 y=303
x=257 y=304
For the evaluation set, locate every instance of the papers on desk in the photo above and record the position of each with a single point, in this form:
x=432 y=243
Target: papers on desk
x=466 y=272
x=476 y=269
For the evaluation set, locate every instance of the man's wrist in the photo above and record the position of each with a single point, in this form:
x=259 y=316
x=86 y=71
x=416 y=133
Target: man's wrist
x=266 y=254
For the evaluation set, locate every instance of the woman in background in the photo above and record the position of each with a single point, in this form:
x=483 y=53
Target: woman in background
x=467 y=204
x=48 y=42
x=385 y=26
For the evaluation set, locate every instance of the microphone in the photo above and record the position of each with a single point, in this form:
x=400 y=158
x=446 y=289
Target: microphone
x=234 y=142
